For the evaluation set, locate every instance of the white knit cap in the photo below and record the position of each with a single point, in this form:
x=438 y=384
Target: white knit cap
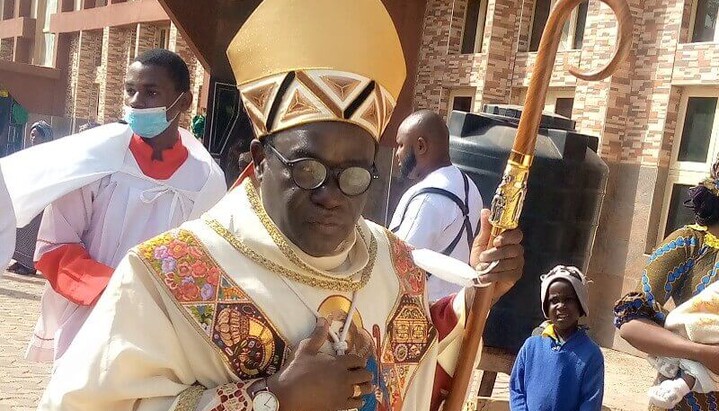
x=575 y=277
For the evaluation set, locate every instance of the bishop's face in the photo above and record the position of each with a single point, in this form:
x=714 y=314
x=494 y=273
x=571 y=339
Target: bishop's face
x=318 y=220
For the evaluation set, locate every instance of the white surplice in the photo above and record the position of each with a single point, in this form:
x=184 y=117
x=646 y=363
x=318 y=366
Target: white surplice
x=205 y=304
x=107 y=216
x=7 y=225
x=39 y=175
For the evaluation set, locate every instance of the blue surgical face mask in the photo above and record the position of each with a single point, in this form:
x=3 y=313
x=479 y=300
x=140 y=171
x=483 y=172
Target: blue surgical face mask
x=149 y=122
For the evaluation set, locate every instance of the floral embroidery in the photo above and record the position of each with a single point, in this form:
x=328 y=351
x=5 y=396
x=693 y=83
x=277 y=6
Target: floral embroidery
x=183 y=269
x=411 y=277
x=215 y=304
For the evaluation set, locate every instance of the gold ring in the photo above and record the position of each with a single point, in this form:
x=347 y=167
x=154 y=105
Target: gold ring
x=357 y=391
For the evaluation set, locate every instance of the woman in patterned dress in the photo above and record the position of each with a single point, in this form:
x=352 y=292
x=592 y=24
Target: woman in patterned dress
x=681 y=267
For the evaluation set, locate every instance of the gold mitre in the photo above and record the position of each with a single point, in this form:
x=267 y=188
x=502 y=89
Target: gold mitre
x=303 y=61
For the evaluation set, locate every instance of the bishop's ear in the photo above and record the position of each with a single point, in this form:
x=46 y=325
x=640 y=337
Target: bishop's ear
x=257 y=150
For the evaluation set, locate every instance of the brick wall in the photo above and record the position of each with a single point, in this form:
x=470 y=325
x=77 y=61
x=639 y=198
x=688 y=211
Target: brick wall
x=118 y=46
x=601 y=107
x=198 y=80
x=635 y=112
x=180 y=46
x=429 y=93
x=652 y=80
x=7 y=49
x=499 y=45
x=85 y=52
x=72 y=73
x=641 y=89
x=145 y=38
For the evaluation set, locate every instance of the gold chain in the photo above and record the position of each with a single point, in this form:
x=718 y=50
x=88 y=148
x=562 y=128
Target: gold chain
x=340 y=285
x=286 y=249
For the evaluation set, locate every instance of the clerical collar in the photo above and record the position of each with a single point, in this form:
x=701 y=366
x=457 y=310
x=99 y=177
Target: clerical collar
x=172 y=158
x=328 y=263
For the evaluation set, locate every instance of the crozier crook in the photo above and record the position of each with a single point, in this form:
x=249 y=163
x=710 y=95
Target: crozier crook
x=507 y=202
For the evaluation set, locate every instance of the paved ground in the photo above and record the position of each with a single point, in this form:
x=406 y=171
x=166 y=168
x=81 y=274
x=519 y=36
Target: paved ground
x=626 y=381
x=22 y=382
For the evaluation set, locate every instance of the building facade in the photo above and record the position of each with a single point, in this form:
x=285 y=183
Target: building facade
x=656 y=117
x=89 y=44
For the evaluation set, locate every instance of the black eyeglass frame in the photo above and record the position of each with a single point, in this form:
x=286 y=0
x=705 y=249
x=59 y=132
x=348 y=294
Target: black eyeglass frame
x=336 y=172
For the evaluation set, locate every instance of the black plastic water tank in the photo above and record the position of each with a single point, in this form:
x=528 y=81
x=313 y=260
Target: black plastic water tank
x=566 y=188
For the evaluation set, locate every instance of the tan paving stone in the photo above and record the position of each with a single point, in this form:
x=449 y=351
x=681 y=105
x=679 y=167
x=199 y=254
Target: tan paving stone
x=21 y=381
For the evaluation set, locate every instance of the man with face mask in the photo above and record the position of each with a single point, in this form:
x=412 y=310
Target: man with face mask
x=108 y=189
x=282 y=297
x=441 y=212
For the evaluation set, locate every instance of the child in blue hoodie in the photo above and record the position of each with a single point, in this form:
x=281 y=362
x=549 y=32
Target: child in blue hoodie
x=561 y=369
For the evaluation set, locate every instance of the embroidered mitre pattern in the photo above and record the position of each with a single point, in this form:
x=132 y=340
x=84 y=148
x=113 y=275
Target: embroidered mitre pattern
x=286 y=100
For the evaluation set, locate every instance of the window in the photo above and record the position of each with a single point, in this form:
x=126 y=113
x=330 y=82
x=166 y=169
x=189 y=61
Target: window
x=44 y=42
x=461 y=100
x=462 y=103
x=678 y=215
x=572 y=33
x=559 y=101
x=694 y=150
x=563 y=106
x=474 y=26
x=705 y=20
x=697 y=130
x=162 y=38
x=94 y=109
x=695 y=146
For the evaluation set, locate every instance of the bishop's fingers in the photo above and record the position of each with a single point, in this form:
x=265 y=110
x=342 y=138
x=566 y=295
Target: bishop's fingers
x=508 y=237
x=502 y=253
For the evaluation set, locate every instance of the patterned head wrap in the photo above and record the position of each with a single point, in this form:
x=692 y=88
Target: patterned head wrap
x=298 y=62
x=712 y=182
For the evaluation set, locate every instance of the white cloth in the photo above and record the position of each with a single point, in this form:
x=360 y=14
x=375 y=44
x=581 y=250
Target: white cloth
x=7 y=225
x=141 y=349
x=705 y=380
x=108 y=217
x=37 y=176
x=697 y=319
x=432 y=221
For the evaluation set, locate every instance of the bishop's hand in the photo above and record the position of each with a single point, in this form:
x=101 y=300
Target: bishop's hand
x=506 y=250
x=312 y=380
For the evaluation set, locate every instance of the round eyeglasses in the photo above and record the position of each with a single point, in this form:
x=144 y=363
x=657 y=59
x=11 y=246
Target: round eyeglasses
x=309 y=174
